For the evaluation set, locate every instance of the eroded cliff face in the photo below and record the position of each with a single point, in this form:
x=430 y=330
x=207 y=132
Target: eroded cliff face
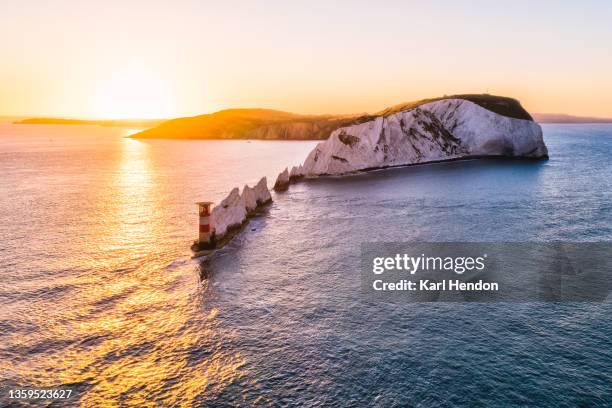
x=234 y=210
x=314 y=130
x=446 y=129
x=282 y=181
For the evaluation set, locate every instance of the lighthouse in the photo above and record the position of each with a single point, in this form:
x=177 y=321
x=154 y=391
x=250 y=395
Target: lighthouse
x=206 y=237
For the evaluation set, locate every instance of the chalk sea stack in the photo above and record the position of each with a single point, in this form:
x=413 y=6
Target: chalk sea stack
x=233 y=212
x=442 y=129
x=282 y=181
x=296 y=173
x=256 y=197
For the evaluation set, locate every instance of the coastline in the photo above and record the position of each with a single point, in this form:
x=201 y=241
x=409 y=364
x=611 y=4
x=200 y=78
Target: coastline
x=441 y=161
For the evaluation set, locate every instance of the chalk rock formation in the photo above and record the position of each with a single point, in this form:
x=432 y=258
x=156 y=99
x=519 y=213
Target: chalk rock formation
x=445 y=129
x=282 y=181
x=255 y=197
x=248 y=199
x=296 y=173
x=232 y=211
x=262 y=194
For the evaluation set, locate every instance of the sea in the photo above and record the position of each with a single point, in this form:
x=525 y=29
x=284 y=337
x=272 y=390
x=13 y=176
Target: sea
x=99 y=293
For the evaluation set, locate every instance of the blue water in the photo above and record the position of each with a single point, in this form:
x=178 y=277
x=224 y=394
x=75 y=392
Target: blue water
x=277 y=316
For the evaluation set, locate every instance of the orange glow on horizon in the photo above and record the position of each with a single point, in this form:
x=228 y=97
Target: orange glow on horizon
x=113 y=59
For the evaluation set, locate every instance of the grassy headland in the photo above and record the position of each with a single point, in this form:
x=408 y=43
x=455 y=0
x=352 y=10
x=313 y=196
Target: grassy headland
x=278 y=125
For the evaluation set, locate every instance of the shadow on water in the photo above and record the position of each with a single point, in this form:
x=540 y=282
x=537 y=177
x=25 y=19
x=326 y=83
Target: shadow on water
x=458 y=169
x=451 y=182
x=203 y=268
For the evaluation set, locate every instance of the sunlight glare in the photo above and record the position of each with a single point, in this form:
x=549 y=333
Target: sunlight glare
x=133 y=92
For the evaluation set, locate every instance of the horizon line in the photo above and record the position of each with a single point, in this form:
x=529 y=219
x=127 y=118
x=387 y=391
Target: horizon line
x=127 y=119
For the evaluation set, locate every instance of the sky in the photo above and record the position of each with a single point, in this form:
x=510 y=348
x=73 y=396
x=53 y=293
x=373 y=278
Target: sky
x=117 y=59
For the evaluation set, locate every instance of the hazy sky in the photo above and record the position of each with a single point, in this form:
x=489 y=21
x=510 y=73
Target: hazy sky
x=170 y=58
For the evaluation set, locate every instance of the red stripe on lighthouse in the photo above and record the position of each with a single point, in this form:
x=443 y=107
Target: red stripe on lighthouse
x=205 y=228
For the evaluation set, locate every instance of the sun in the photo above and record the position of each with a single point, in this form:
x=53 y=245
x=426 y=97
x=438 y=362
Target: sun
x=133 y=92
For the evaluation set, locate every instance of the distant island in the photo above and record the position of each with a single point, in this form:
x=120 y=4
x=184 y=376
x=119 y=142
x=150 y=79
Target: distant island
x=563 y=118
x=137 y=123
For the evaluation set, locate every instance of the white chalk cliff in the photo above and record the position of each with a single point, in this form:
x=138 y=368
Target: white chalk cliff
x=232 y=211
x=445 y=129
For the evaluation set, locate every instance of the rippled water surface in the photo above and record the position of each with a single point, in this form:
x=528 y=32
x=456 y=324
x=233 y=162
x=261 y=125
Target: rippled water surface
x=98 y=292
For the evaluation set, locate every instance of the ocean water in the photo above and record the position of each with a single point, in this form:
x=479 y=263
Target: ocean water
x=98 y=292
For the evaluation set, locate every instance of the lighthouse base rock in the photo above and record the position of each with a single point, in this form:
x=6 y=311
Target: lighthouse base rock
x=444 y=129
x=233 y=212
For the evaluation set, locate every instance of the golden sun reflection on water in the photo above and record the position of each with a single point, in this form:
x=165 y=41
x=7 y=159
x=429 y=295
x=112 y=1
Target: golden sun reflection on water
x=133 y=197
x=133 y=332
